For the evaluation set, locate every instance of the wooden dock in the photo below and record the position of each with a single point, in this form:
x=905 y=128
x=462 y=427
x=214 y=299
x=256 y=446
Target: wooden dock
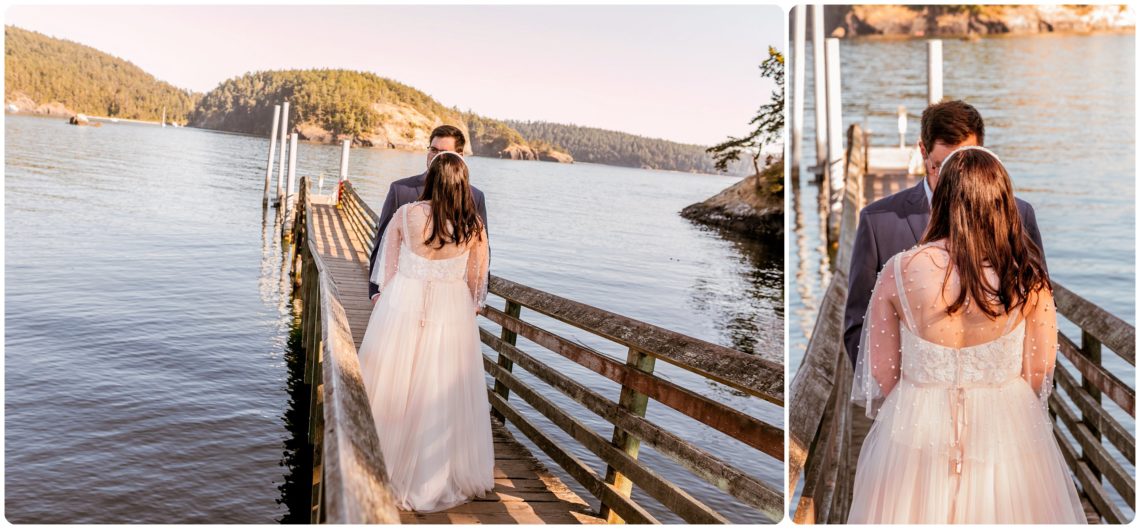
x=525 y=491
x=331 y=240
x=826 y=432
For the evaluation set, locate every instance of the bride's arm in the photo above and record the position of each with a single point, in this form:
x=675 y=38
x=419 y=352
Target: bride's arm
x=478 y=260
x=1039 y=356
x=386 y=264
x=879 y=356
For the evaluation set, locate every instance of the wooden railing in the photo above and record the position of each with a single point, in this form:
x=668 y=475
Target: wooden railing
x=820 y=420
x=1091 y=424
x=825 y=431
x=638 y=385
x=350 y=484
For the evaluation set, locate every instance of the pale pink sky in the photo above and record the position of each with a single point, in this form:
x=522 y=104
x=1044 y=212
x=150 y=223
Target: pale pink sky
x=684 y=73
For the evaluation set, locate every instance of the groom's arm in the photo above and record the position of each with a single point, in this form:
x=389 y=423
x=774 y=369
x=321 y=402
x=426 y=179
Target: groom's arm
x=860 y=282
x=1029 y=222
x=481 y=204
x=391 y=202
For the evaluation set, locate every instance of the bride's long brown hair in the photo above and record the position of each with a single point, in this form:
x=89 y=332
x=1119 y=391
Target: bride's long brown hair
x=973 y=209
x=454 y=216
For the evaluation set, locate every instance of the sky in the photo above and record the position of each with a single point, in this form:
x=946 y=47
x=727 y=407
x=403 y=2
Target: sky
x=684 y=73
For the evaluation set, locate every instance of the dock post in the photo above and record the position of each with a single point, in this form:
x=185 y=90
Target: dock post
x=819 y=86
x=902 y=127
x=272 y=153
x=345 y=146
x=835 y=177
x=636 y=403
x=514 y=310
x=933 y=71
x=290 y=185
x=798 y=83
x=281 y=164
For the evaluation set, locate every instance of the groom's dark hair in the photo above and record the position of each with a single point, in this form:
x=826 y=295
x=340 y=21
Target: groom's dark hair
x=448 y=131
x=951 y=122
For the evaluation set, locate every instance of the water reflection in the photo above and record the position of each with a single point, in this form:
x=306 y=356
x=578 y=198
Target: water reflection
x=297 y=457
x=751 y=328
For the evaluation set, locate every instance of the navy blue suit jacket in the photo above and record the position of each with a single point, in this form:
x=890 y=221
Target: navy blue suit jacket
x=888 y=226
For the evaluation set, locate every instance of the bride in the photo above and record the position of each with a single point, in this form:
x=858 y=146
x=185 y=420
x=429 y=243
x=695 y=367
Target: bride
x=420 y=357
x=955 y=366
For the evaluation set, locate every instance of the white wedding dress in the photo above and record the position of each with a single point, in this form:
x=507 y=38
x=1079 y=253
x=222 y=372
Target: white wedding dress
x=423 y=368
x=961 y=431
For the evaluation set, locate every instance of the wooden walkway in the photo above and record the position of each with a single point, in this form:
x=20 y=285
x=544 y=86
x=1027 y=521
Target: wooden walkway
x=525 y=491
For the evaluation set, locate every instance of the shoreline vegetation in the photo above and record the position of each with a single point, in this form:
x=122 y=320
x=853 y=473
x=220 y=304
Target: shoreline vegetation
x=55 y=77
x=975 y=21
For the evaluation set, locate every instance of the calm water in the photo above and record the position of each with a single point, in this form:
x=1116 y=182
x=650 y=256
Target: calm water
x=1065 y=132
x=147 y=367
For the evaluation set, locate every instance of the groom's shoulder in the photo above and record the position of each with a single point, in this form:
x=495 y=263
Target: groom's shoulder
x=893 y=203
x=411 y=181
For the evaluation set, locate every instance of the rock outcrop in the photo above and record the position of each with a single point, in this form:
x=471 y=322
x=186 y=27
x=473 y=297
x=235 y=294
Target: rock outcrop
x=968 y=20
x=25 y=104
x=753 y=206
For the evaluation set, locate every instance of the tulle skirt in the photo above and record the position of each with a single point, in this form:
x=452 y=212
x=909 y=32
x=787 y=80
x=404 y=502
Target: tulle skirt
x=423 y=371
x=1011 y=471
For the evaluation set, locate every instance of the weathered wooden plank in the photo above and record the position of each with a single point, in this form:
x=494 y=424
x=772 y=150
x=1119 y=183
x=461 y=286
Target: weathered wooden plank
x=816 y=468
x=1095 y=454
x=748 y=373
x=354 y=482
x=1115 y=333
x=741 y=426
x=1120 y=393
x=1105 y=424
x=812 y=386
x=703 y=464
x=578 y=470
x=505 y=513
x=672 y=497
x=1089 y=484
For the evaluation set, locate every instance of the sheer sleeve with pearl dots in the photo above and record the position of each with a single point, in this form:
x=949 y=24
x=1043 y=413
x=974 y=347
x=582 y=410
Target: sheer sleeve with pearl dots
x=880 y=357
x=1039 y=355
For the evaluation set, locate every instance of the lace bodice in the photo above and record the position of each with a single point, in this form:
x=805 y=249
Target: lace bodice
x=993 y=363
x=404 y=252
x=909 y=336
x=424 y=269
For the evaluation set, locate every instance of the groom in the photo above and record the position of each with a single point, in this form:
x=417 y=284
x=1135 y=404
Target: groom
x=408 y=190
x=896 y=223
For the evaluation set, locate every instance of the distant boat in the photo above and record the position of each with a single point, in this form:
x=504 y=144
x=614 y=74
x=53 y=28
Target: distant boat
x=13 y=108
x=114 y=120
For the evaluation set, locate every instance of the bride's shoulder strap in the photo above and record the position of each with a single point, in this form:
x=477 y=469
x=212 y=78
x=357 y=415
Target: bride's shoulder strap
x=908 y=318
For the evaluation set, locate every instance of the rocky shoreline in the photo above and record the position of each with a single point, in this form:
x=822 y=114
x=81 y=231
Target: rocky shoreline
x=752 y=207
x=975 y=20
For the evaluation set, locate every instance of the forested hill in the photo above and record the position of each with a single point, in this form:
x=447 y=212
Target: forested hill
x=53 y=76
x=45 y=73
x=587 y=144
x=361 y=105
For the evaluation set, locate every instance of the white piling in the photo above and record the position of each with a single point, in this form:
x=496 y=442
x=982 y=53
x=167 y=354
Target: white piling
x=281 y=165
x=835 y=174
x=291 y=182
x=798 y=47
x=272 y=153
x=933 y=71
x=819 y=82
x=345 y=146
x=902 y=127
